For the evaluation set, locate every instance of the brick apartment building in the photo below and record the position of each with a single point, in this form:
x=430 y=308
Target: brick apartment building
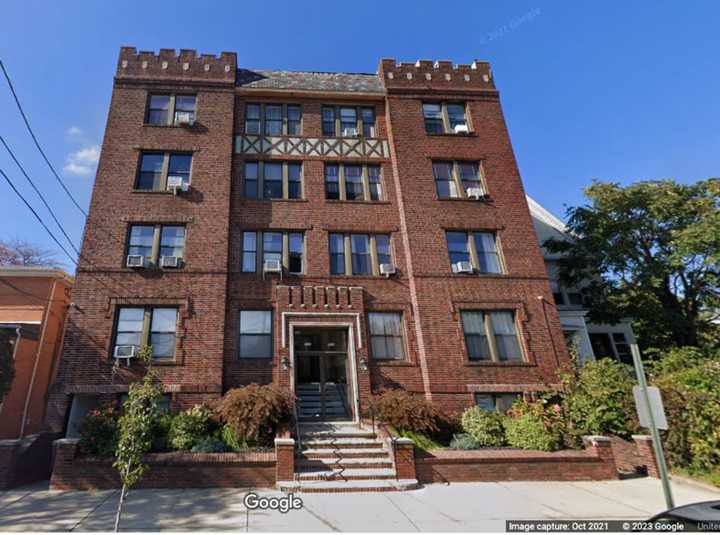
x=332 y=233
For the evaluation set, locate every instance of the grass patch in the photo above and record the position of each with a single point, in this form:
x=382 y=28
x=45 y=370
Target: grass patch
x=422 y=442
x=711 y=477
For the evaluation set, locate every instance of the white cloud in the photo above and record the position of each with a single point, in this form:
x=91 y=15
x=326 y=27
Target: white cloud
x=82 y=162
x=74 y=131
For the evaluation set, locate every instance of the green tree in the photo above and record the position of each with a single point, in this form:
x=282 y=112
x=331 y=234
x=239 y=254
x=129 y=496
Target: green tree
x=649 y=251
x=136 y=427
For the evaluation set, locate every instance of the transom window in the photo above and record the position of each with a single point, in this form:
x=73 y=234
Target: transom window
x=273 y=180
x=500 y=402
x=478 y=248
x=170 y=109
x=348 y=121
x=386 y=339
x=153 y=242
x=287 y=247
x=153 y=326
x=346 y=182
x=491 y=336
x=156 y=167
x=445 y=117
x=358 y=254
x=457 y=180
x=273 y=119
x=256 y=334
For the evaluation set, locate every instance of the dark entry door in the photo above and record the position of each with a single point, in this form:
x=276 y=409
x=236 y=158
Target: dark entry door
x=321 y=376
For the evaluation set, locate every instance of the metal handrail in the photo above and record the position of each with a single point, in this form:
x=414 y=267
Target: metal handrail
x=297 y=427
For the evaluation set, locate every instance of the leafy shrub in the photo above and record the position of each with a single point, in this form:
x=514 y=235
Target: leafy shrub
x=161 y=430
x=231 y=440
x=529 y=432
x=99 y=431
x=405 y=411
x=463 y=441
x=448 y=426
x=209 y=445
x=690 y=384
x=189 y=426
x=486 y=427
x=421 y=441
x=598 y=400
x=254 y=412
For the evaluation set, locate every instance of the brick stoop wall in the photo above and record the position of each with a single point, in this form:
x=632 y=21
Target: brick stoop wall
x=25 y=460
x=72 y=471
x=596 y=462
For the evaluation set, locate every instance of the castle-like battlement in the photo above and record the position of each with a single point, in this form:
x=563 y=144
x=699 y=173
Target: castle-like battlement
x=436 y=75
x=171 y=65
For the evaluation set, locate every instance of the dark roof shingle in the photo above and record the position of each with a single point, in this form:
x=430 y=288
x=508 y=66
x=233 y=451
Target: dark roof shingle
x=310 y=81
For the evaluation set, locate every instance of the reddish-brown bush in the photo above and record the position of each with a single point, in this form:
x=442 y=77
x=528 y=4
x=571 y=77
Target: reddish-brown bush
x=254 y=412
x=405 y=411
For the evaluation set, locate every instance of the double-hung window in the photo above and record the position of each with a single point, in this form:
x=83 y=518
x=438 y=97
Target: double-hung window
x=359 y=254
x=255 y=334
x=445 y=117
x=386 y=339
x=153 y=326
x=273 y=119
x=260 y=247
x=457 y=180
x=478 y=248
x=491 y=336
x=273 y=180
x=170 y=109
x=353 y=182
x=153 y=242
x=348 y=121
x=156 y=167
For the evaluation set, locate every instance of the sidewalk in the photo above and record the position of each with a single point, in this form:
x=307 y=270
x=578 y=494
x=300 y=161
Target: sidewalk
x=456 y=507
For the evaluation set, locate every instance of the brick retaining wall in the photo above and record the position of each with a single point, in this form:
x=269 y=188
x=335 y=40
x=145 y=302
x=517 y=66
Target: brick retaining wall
x=167 y=470
x=596 y=462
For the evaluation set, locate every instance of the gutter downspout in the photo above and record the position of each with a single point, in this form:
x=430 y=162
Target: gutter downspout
x=46 y=320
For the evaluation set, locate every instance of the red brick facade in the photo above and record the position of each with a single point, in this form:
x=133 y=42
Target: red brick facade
x=211 y=289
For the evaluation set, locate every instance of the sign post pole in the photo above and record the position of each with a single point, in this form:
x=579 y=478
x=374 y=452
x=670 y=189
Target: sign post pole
x=657 y=444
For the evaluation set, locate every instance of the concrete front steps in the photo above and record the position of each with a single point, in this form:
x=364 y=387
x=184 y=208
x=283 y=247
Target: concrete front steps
x=342 y=457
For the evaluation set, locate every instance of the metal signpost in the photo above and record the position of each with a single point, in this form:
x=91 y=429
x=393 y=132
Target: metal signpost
x=651 y=414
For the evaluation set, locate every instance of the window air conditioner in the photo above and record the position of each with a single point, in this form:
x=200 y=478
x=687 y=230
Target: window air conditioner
x=387 y=269
x=349 y=132
x=184 y=118
x=124 y=352
x=475 y=193
x=463 y=267
x=170 y=261
x=175 y=183
x=272 y=266
x=461 y=129
x=135 y=260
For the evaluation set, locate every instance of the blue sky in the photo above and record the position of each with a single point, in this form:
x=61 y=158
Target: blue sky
x=612 y=91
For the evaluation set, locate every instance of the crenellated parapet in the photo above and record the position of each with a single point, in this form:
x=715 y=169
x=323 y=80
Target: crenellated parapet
x=436 y=75
x=185 y=66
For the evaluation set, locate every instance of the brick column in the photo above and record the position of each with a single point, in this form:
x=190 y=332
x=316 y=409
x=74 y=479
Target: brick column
x=285 y=459
x=602 y=448
x=646 y=451
x=404 y=452
x=64 y=451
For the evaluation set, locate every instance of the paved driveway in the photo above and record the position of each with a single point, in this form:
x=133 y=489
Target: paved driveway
x=455 y=507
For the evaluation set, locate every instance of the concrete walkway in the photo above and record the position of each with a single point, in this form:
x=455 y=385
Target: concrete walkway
x=455 y=507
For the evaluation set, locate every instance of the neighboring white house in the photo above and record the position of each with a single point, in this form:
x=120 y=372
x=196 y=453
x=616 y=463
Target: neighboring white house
x=593 y=340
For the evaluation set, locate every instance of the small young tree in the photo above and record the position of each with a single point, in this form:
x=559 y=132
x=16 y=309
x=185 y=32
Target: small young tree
x=136 y=428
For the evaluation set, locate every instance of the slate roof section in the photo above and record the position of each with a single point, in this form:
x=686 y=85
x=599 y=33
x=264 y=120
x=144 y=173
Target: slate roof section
x=339 y=82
